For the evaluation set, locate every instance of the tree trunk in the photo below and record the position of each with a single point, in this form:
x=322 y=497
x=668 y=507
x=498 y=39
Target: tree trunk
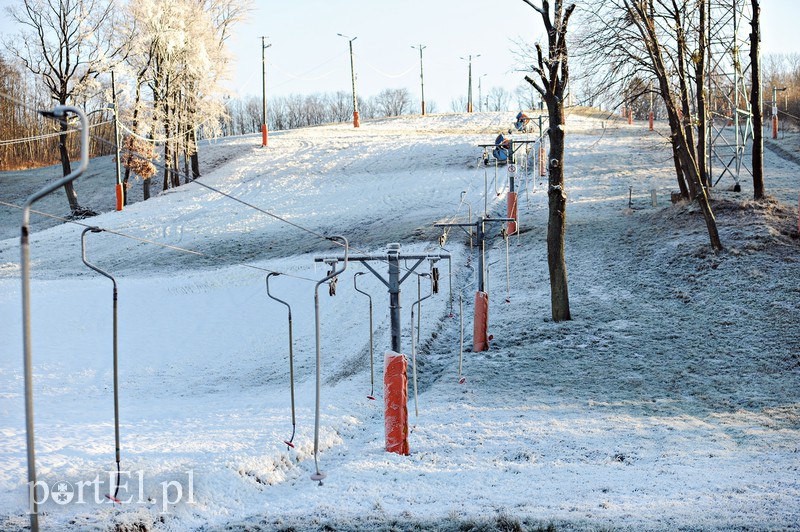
x=557 y=214
x=66 y=169
x=679 y=173
x=146 y=189
x=194 y=157
x=755 y=103
x=176 y=179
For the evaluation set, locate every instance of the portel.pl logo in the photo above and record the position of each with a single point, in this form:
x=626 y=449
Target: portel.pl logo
x=123 y=487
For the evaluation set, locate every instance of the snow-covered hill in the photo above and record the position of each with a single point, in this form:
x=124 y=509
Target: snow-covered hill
x=671 y=400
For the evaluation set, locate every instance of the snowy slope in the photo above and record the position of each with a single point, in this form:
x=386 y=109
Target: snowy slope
x=671 y=400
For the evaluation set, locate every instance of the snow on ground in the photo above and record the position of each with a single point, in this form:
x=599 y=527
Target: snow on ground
x=670 y=401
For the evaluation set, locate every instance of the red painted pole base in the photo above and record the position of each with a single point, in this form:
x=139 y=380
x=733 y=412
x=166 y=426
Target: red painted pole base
x=395 y=394
x=480 y=340
x=774 y=127
x=651 y=120
x=512 y=213
x=120 y=196
x=356 y=121
x=263 y=134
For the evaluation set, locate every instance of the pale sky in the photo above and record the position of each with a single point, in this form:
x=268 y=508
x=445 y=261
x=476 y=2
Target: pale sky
x=307 y=56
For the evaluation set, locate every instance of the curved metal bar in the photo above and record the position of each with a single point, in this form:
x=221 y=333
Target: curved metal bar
x=291 y=359
x=413 y=351
x=319 y=475
x=371 y=356
x=115 y=355
x=25 y=266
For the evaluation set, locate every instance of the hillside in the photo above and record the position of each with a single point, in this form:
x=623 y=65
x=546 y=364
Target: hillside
x=670 y=401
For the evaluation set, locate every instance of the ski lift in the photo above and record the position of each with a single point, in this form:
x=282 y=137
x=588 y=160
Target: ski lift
x=334 y=279
x=109 y=496
x=413 y=350
x=319 y=475
x=371 y=395
x=288 y=442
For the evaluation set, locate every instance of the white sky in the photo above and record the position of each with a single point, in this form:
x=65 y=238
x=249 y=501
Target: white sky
x=307 y=56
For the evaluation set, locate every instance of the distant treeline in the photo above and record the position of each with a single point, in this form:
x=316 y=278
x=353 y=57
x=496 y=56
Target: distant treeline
x=29 y=140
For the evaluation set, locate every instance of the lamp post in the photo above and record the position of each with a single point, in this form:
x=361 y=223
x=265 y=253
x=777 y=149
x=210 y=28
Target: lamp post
x=480 y=96
x=264 y=47
x=356 y=122
x=775 y=110
x=469 y=85
x=421 y=79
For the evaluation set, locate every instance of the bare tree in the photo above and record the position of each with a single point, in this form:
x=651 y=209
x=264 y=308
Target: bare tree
x=68 y=43
x=553 y=76
x=755 y=102
x=393 y=102
x=641 y=13
x=498 y=99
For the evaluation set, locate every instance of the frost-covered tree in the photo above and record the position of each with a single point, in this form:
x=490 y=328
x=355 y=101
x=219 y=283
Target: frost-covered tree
x=68 y=44
x=180 y=55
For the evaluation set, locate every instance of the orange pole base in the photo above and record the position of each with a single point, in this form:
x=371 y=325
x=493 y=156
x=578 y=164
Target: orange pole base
x=774 y=127
x=651 y=120
x=630 y=117
x=395 y=397
x=263 y=134
x=356 y=121
x=480 y=340
x=512 y=212
x=120 y=196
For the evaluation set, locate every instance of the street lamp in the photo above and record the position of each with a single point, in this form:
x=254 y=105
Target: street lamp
x=480 y=97
x=469 y=86
x=421 y=79
x=263 y=92
x=356 y=122
x=775 y=110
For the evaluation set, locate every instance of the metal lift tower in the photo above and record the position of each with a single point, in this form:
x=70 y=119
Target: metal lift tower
x=730 y=116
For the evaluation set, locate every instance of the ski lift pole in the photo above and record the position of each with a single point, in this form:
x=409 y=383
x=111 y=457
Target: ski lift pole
x=59 y=112
x=371 y=357
x=413 y=351
x=319 y=475
x=115 y=353
x=291 y=359
x=480 y=224
x=461 y=325
x=469 y=216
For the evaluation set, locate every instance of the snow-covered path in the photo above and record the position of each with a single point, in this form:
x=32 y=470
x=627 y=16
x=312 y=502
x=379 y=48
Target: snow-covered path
x=669 y=401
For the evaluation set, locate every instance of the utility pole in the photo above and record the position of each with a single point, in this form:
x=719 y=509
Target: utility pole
x=356 y=121
x=421 y=79
x=469 y=83
x=120 y=190
x=480 y=340
x=775 y=91
x=264 y=92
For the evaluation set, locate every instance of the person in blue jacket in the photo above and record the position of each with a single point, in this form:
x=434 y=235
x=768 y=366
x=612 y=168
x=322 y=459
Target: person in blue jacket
x=501 y=145
x=522 y=121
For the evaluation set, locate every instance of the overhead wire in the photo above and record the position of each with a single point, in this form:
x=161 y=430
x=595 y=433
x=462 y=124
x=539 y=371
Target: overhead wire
x=211 y=188
x=22 y=140
x=153 y=242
